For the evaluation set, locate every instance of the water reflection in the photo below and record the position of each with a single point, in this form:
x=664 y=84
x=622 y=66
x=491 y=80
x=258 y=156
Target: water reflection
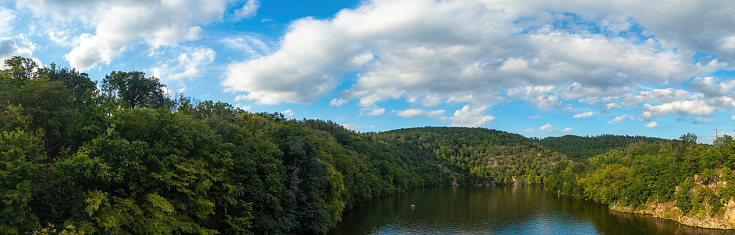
x=501 y=210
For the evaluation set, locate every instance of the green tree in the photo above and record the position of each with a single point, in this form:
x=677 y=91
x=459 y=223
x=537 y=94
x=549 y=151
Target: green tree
x=20 y=154
x=136 y=90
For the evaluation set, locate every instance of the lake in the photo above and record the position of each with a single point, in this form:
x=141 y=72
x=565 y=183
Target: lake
x=499 y=210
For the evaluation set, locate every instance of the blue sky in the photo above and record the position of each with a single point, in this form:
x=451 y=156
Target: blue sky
x=537 y=68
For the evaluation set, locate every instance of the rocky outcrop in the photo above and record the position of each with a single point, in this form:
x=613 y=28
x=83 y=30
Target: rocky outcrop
x=667 y=210
x=723 y=219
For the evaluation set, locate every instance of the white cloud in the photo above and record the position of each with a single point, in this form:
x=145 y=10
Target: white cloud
x=689 y=107
x=246 y=11
x=733 y=117
x=711 y=87
x=288 y=112
x=64 y=37
x=538 y=96
x=376 y=112
x=584 y=115
x=7 y=17
x=337 y=102
x=19 y=45
x=469 y=117
x=253 y=45
x=7 y=48
x=657 y=96
x=568 y=129
x=426 y=101
x=243 y=106
x=548 y=127
x=418 y=113
x=189 y=64
x=534 y=117
x=356 y=127
x=619 y=119
x=651 y=125
x=486 y=48
x=119 y=24
x=610 y=106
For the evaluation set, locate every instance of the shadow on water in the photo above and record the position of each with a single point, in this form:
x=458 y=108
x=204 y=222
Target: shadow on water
x=499 y=210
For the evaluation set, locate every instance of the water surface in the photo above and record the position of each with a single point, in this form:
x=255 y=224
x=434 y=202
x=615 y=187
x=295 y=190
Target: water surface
x=499 y=210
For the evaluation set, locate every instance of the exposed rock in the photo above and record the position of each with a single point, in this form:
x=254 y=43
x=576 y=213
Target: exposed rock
x=725 y=219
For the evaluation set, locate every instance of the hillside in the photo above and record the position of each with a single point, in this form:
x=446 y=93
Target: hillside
x=577 y=146
x=124 y=157
x=480 y=156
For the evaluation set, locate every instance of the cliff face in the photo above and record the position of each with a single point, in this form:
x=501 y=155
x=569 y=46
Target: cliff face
x=704 y=218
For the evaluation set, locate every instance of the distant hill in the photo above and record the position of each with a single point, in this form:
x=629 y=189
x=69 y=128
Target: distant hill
x=478 y=155
x=577 y=146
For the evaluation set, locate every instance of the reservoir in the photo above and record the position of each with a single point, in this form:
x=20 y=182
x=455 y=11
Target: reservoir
x=498 y=210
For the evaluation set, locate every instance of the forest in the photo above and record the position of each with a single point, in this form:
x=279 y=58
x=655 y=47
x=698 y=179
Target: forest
x=124 y=157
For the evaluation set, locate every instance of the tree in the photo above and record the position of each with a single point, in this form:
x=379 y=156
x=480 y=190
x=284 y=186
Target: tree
x=136 y=90
x=20 y=69
x=19 y=168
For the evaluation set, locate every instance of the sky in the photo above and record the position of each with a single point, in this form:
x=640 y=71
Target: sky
x=533 y=67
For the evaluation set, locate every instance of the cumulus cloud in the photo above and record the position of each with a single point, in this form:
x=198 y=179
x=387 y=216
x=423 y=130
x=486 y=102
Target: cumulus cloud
x=689 y=107
x=7 y=16
x=7 y=48
x=243 y=106
x=469 y=117
x=19 y=45
x=548 y=127
x=538 y=96
x=418 y=113
x=568 y=129
x=712 y=87
x=652 y=125
x=189 y=64
x=356 y=127
x=584 y=115
x=288 y=112
x=118 y=24
x=619 y=119
x=487 y=49
x=337 y=102
x=610 y=106
x=246 y=11
x=375 y=112
x=426 y=101
x=657 y=96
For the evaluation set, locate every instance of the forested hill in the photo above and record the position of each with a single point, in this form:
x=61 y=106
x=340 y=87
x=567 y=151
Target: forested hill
x=577 y=146
x=123 y=157
x=480 y=155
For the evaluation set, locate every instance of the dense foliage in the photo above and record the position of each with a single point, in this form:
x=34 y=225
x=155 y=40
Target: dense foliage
x=577 y=146
x=697 y=177
x=129 y=159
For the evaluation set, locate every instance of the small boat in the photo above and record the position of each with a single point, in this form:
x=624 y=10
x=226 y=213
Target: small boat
x=413 y=206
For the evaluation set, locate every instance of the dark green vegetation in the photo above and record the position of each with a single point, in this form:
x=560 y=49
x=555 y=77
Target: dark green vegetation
x=577 y=146
x=130 y=159
x=697 y=177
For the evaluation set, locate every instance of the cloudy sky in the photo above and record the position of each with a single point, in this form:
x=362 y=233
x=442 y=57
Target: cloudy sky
x=535 y=67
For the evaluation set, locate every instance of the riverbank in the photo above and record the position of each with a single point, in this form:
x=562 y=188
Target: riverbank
x=723 y=220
